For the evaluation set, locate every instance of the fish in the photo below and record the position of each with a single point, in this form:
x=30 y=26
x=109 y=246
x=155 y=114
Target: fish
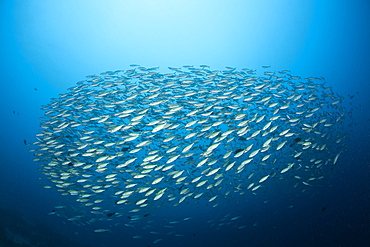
x=139 y=139
x=336 y=158
x=157 y=240
x=102 y=230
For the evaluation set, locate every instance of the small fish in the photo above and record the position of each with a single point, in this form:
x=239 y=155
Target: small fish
x=102 y=230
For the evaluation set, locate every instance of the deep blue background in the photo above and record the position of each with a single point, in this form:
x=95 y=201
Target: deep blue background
x=50 y=45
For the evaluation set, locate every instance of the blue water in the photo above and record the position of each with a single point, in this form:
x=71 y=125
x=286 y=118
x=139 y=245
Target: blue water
x=48 y=46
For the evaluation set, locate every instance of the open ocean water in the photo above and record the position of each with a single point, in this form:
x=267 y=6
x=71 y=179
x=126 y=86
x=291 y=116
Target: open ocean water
x=184 y=123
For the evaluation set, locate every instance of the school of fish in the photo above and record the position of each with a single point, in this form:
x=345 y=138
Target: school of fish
x=129 y=141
